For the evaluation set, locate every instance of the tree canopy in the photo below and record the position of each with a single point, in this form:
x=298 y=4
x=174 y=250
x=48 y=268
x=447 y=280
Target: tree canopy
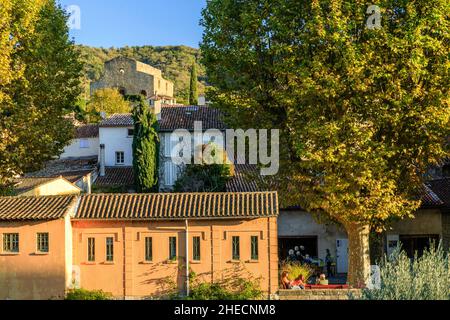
x=106 y=100
x=363 y=112
x=40 y=83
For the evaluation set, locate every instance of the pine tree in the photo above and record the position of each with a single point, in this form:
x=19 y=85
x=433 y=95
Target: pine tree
x=145 y=148
x=193 y=93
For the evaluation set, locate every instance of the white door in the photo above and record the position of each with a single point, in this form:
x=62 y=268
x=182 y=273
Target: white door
x=342 y=255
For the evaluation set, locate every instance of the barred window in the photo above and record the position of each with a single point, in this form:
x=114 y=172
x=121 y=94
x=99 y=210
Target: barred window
x=236 y=250
x=11 y=242
x=148 y=249
x=110 y=249
x=91 y=249
x=254 y=249
x=42 y=242
x=196 y=248
x=172 y=248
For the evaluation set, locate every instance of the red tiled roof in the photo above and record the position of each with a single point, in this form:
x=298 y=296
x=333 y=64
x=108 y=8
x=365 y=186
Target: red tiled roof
x=429 y=198
x=174 y=117
x=86 y=131
x=177 y=206
x=183 y=117
x=35 y=208
x=242 y=181
x=441 y=187
x=116 y=176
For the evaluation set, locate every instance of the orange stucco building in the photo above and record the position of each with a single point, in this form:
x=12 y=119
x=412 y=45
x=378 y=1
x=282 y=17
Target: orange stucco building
x=134 y=246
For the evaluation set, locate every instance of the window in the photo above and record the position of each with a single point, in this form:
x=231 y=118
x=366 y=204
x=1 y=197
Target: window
x=11 y=242
x=120 y=157
x=130 y=132
x=254 y=248
x=84 y=143
x=42 y=242
x=110 y=249
x=148 y=249
x=172 y=248
x=196 y=248
x=236 y=252
x=91 y=249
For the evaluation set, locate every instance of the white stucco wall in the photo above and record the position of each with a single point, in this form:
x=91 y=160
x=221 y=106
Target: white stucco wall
x=73 y=150
x=115 y=140
x=302 y=224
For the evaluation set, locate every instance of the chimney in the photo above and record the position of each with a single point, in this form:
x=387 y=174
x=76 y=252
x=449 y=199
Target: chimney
x=103 y=115
x=155 y=105
x=102 y=160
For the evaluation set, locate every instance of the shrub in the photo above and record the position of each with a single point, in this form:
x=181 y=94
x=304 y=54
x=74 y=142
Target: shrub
x=242 y=289
x=295 y=269
x=422 y=278
x=82 y=294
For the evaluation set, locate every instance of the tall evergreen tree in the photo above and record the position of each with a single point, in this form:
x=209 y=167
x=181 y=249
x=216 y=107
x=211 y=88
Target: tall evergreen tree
x=193 y=92
x=363 y=112
x=145 y=148
x=44 y=86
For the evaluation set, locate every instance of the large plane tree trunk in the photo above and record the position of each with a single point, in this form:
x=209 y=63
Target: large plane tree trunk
x=359 y=255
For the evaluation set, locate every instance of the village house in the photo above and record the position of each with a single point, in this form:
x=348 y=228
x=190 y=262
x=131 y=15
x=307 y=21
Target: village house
x=116 y=138
x=135 y=245
x=85 y=143
x=132 y=77
x=44 y=186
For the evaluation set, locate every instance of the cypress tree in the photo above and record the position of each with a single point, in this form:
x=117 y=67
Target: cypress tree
x=145 y=148
x=193 y=93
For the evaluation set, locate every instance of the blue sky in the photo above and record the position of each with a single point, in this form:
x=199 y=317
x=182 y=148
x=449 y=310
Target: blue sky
x=117 y=23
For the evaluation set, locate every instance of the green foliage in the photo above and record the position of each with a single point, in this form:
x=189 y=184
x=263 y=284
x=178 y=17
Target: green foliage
x=295 y=269
x=210 y=176
x=82 y=294
x=203 y=178
x=174 y=61
x=193 y=93
x=235 y=288
x=243 y=290
x=425 y=278
x=44 y=89
x=106 y=100
x=362 y=113
x=145 y=148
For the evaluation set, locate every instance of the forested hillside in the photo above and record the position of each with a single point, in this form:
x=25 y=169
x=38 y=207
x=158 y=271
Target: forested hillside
x=174 y=61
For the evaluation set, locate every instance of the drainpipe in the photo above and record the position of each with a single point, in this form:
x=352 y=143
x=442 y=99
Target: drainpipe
x=187 y=258
x=102 y=160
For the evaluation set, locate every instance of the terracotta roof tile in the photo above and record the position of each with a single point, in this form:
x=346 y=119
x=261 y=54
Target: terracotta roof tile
x=441 y=187
x=116 y=176
x=178 y=206
x=86 y=131
x=174 y=117
x=183 y=117
x=242 y=180
x=35 y=208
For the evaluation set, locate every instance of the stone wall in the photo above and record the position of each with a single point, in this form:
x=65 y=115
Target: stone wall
x=319 y=294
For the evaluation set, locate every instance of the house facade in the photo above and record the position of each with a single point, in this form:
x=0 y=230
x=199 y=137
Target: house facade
x=132 y=77
x=116 y=137
x=136 y=245
x=84 y=145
